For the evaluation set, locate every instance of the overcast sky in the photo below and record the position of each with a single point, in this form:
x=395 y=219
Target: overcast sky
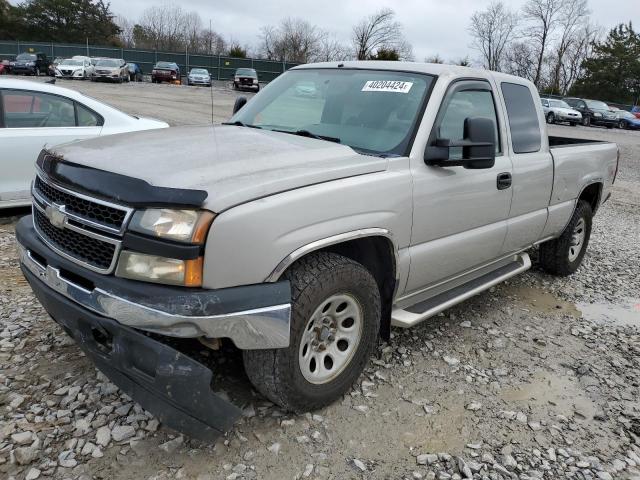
x=431 y=26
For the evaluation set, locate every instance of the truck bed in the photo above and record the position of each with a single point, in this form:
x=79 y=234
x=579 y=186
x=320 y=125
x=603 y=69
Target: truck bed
x=557 y=142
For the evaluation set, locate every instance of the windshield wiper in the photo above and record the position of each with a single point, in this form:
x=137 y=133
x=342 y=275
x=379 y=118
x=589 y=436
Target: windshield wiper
x=238 y=123
x=307 y=133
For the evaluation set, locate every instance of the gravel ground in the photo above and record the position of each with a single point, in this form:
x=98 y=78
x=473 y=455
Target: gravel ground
x=537 y=378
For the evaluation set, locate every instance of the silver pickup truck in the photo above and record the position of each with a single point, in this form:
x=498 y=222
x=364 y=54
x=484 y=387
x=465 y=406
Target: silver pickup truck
x=340 y=201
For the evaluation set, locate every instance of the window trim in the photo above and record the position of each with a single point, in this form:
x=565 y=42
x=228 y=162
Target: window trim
x=72 y=100
x=458 y=85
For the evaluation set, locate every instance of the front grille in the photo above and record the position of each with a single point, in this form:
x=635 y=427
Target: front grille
x=96 y=212
x=89 y=250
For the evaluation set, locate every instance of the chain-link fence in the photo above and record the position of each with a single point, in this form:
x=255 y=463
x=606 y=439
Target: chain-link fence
x=220 y=67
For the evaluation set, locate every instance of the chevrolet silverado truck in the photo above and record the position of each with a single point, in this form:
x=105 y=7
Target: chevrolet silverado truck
x=303 y=229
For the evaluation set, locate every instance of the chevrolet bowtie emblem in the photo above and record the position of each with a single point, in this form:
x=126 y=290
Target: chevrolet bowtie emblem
x=56 y=214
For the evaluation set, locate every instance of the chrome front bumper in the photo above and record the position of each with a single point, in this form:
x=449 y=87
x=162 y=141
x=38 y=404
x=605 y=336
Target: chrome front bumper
x=260 y=328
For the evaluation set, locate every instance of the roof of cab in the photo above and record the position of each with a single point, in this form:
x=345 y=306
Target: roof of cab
x=439 y=69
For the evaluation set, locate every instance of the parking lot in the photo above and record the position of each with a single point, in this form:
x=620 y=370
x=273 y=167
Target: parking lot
x=537 y=378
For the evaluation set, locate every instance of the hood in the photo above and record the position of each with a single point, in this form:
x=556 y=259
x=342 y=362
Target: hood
x=233 y=164
x=565 y=110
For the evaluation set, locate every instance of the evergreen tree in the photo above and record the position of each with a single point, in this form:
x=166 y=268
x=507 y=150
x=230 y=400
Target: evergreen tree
x=73 y=21
x=612 y=73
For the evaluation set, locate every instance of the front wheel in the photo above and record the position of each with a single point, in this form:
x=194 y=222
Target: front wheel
x=586 y=121
x=551 y=118
x=37 y=72
x=573 y=124
x=563 y=255
x=622 y=125
x=335 y=321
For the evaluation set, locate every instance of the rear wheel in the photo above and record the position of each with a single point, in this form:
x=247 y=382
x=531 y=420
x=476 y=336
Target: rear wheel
x=335 y=321
x=563 y=255
x=551 y=118
x=37 y=72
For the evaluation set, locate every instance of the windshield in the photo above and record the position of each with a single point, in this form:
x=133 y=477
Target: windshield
x=199 y=71
x=374 y=111
x=597 y=105
x=558 y=104
x=247 y=72
x=107 y=63
x=72 y=62
x=165 y=65
x=26 y=56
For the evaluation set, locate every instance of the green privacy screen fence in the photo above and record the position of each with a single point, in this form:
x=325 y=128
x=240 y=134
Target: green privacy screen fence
x=220 y=67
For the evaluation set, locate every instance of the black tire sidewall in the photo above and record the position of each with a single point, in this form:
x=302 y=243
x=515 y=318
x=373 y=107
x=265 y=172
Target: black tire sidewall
x=351 y=279
x=550 y=118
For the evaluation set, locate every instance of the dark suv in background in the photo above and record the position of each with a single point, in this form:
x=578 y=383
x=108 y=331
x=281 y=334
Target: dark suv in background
x=31 y=64
x=246 y=78
x=165 y=72
x=594 y=112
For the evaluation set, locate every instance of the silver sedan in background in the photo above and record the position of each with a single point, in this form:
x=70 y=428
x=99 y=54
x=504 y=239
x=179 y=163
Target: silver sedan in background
x=559 y=111
x=199 y=76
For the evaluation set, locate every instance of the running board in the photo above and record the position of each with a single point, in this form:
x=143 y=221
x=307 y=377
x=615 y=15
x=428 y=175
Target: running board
x=419 y=312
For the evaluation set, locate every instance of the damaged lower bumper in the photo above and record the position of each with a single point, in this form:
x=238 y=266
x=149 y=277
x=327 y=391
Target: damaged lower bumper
x=106 y=316
x=167 y=383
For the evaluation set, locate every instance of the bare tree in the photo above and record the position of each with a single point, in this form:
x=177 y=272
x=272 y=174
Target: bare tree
x=574 y=14
x=520 y=60
x=492 y=30
x=126 y=31
x=331 y=50
x=293 y=40
x=579 y=49
x=380 y=31
x=434 y=59
x=544 y=16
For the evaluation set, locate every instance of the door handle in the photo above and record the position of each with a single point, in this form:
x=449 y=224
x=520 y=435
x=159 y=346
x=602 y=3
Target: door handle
x=504 y=181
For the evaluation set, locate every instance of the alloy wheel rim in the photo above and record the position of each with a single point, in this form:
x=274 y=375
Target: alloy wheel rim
x=330 y=338
x=577 y=240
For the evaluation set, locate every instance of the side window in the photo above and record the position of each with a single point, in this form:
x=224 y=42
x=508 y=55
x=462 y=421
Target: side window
x=523 y=118
x=463 y=104
x=23 y=109
x=86 y=118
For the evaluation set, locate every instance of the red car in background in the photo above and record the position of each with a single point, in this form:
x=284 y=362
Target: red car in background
x=636 y=111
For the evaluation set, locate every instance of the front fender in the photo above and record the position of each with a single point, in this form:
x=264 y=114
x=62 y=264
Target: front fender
x=251 y=243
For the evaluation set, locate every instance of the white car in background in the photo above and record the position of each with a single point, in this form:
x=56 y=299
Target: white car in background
x=78 y=67
x=34 y=115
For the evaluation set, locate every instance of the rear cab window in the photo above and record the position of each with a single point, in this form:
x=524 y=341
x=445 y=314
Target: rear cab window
x=522 y=115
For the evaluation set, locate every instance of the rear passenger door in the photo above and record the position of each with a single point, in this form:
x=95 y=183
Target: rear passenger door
x=532 y=167
x=30 y=120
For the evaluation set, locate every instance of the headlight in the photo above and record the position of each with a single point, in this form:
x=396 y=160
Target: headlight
x=255 y=80
x=31 y=64
x=597 y=114
x=168 y=271
x=190 y=226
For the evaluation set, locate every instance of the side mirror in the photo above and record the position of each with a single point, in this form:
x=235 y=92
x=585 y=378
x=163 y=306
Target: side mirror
x=239 y=103
x=478 y=146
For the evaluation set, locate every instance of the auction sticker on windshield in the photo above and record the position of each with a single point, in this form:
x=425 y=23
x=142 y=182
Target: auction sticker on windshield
x=387 y=86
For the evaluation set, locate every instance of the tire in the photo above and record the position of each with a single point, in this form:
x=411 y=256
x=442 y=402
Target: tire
x=622 y=125
x=37 y=72
x=573 y=124
x=320 y=280
x=551 y=118
x=586 y=121
x=560 y=256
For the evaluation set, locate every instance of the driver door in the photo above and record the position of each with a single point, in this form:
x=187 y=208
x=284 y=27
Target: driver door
x=30 y=120
x=460 y=214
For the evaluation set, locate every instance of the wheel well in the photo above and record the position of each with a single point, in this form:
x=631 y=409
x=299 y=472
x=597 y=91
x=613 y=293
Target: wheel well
x=376 y=254
x=591 y=195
